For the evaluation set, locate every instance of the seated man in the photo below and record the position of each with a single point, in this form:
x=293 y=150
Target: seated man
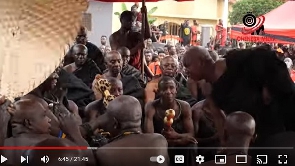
x=97 y=108
x=169 y=68
x=131 y=86
x=128 y=145
x=239 y=130
x=94 y=52
x=31 y=125
x=77 y=90
x=56 y=157
x=83 y=67
x=182 y=132
x=205 y=131
x=126 y=68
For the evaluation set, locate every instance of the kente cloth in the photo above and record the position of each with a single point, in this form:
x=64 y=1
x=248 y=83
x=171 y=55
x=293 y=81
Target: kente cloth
x=94 y=53
x=87 y=72
x=78 y=91
x=240 y=88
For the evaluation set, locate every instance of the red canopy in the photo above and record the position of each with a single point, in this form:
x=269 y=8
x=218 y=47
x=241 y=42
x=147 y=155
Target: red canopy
x=279 y=23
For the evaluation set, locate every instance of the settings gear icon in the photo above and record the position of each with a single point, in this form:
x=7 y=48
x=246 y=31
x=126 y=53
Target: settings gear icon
x=200 y=159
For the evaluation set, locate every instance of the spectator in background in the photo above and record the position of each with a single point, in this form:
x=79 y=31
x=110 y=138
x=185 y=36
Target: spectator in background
x=155 y=65
x=242 y=45
x=163 y=29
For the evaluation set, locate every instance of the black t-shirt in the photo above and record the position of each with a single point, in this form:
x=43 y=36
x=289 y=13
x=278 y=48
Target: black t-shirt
x=186 y=31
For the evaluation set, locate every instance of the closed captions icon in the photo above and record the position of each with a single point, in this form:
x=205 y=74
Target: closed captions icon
x=45 y=159
x=178 y=159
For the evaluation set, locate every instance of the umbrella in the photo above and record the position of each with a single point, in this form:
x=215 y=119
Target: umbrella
x=34 y=35
x=143 y=18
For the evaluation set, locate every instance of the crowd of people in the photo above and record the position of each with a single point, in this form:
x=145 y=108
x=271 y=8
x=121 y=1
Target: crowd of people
x=225 y=101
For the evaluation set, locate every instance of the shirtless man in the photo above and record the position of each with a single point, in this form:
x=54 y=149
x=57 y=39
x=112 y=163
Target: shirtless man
x=39 y=95
x=83 y=67
x=239 y=130
x=205 y=131
x=124 y=37
x=97 y=108
x=182 y=133
x=169 y=67
x=123 y=122
x=31 y=125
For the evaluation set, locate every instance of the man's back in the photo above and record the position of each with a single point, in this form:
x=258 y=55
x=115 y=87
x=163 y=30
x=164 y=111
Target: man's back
x=134 y=150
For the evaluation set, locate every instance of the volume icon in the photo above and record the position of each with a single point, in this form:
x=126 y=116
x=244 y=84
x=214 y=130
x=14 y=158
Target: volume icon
x=23 y=159
x=45 y=159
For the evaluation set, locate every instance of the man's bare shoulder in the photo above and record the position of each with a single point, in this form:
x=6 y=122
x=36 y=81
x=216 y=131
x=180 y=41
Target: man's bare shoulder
x=183 y=103
x=115 y=34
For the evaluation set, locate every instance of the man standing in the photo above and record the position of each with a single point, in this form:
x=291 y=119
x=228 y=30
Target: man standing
x=125 y=37
x=103 y=40
x=195 y=33
x=185 y=33
x=94 y=52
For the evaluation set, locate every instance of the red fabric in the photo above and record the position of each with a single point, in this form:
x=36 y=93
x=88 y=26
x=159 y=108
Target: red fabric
x=239 y=36
x=135 y=61
x=279 y=21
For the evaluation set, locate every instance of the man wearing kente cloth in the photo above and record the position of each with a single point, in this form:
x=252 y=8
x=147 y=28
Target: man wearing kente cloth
x=179 y=130
x=251 y=80
x=169 y=67
x=83 y=67
x=94 y=52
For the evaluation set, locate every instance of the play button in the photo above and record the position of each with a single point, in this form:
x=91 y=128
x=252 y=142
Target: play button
x=3 y=159
x=160 y=159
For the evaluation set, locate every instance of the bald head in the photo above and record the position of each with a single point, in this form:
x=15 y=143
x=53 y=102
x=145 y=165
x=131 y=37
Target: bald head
x=126 y=109
x=111 y=54
x=25 y=109
x=240 y=124
x=53 y=155
x=168 y=59
x=124 y=51
x=80 y=47
x=196 y=53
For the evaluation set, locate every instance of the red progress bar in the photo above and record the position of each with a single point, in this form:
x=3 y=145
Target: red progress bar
x=43 y=148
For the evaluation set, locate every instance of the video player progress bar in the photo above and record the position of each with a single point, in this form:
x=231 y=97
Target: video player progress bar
x=137 y=148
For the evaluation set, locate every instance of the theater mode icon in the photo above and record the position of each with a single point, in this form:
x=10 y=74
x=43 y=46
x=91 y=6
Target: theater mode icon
x=241 y=159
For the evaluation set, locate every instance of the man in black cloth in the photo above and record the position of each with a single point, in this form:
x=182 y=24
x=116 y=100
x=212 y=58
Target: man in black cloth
x=185 y=33
x=128 y=145
x=83 y=67
x=251 y=80
x=126 y=68
x=94 y=52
